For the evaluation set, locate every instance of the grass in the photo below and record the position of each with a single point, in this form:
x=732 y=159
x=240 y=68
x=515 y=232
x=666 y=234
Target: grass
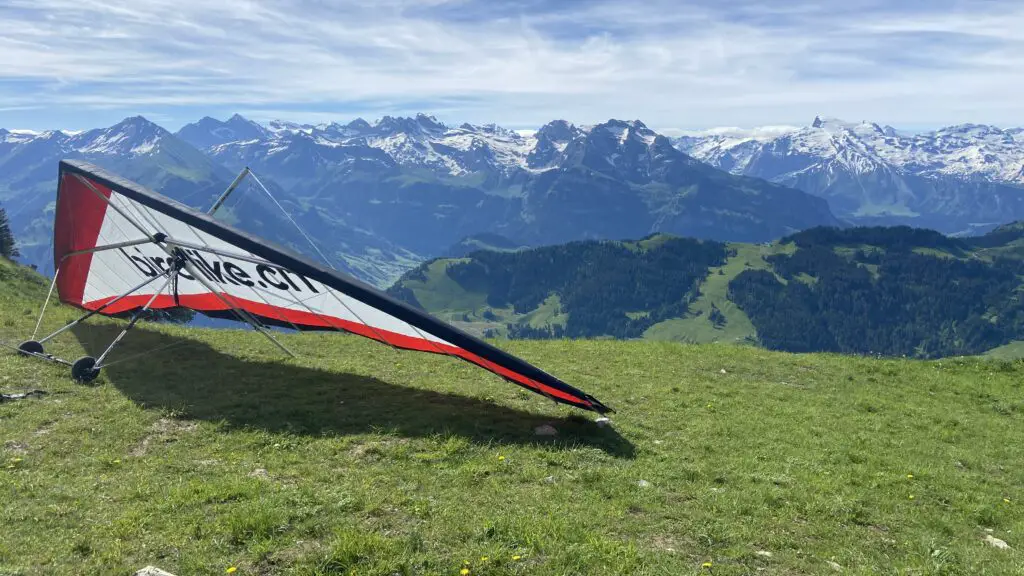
x=548 y=313
x=696 y=327
x=1012 y=351
x=358 y=459
x=442 y=294
x=447 y=300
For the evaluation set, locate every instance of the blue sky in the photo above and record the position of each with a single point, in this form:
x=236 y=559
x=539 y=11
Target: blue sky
x=676 y=64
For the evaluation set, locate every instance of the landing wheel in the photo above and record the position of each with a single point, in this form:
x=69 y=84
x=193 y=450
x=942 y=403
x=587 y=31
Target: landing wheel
x=30 y=347
x=84 y=369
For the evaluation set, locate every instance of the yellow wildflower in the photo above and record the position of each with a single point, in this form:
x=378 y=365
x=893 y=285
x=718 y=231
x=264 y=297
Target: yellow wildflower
x=911 y=497
x=501 y=458
x=483 y=558
x=706 y=565
x=517 y=557
x=464 y=571
x=910 y=476
x=1007 y=500
x=231 y=569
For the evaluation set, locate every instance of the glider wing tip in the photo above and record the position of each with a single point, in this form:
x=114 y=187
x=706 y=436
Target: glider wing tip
x=600 y=408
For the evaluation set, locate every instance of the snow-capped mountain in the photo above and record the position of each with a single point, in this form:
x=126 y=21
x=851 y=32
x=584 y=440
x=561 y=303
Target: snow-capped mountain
x=947 y=179
x=134 y=148
x=607 y=180
x=380 y=196
x=424 y=143
x=551 y=141
x=147 y=153
x=422 y=183
x=419 y=142
x=971 y=151
x=132 y=138
x=295 y=157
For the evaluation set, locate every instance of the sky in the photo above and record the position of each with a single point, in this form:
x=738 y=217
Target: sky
x=674 y=64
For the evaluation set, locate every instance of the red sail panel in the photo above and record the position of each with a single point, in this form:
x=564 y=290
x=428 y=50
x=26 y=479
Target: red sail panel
x=80 y=213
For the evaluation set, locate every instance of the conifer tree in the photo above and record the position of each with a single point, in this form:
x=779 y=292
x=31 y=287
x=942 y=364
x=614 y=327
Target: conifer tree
x=8 y=248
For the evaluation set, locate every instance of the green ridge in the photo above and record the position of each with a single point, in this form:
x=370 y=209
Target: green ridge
x=894 y=291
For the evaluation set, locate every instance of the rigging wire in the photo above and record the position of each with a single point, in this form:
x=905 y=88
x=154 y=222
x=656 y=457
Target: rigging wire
x=292 y=220
x=310 y=240
x=331 y=265
x=327 y=261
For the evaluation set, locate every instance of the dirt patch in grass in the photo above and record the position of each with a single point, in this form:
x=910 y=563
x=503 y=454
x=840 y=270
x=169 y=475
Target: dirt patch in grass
x=18 y=448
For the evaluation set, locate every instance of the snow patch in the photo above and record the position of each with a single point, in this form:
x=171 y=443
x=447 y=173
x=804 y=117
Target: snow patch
x=146 y=147
x=105 y=144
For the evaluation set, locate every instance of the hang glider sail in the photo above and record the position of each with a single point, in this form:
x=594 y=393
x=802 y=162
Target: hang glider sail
x=120 y=248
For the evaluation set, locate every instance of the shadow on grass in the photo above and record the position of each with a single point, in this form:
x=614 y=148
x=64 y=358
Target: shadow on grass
x=204 y=384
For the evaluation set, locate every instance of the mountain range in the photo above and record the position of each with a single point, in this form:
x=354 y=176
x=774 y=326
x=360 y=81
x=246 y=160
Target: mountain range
x=382 y=196
x=425 y=186
x=134 y=148
x=955 y=179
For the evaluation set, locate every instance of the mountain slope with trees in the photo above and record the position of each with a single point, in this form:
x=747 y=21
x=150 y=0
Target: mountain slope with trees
x=895 y=291
x=580 y=289
x=892 y=291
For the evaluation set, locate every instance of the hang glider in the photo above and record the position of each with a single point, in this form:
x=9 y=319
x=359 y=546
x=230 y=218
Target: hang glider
x=120 y=248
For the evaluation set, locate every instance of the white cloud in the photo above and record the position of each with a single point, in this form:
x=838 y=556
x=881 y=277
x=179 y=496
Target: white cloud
x=759 y=133
x=692 y=65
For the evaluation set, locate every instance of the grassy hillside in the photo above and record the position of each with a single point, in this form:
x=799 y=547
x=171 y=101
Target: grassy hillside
x=216 y=454
x=891 y=291
x=436 y=291
x=696 y=326
x=581 y=289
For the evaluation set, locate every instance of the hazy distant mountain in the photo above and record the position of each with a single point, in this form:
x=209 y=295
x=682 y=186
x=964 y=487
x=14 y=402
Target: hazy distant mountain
x=209 y=132
x=134 y=148
x=950 y=179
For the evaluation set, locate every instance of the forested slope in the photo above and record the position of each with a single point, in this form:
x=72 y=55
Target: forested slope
x=882 y=290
